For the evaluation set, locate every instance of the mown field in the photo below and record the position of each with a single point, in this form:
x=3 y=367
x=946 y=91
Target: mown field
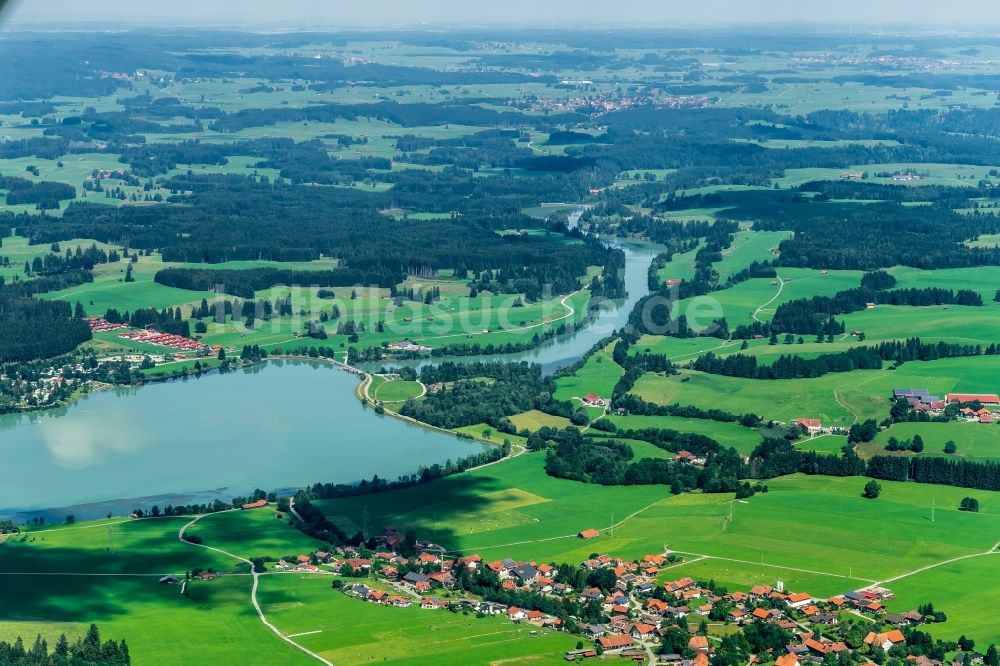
x=516 y=510
x=975 y=441
x=836 y=398
x=349 y=631
x=59 y=579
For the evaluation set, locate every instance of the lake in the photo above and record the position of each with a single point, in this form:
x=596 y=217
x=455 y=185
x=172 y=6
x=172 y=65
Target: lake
x=279 y=425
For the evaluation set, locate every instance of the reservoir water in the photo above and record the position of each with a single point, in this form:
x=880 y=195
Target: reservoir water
x=274 y=426
x=277 y=426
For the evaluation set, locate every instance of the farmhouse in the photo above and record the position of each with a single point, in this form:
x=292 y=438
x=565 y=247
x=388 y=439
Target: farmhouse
x=885 y=640
x=589 y=534
x=594 y=400
x=616 y=642
x=407 y=345
x=984 y=398
x=689 y=458
x=254 y=505
x=811 y=425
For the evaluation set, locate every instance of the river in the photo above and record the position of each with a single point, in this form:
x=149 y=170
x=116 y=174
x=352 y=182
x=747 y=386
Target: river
x=278 y=426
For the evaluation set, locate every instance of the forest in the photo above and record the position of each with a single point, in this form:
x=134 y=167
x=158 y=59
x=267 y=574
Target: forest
x=32 y=329
x=483 y=393
x=86 y=651
x=813 y=315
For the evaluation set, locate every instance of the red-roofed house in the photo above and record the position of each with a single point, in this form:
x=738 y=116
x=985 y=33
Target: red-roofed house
x=811 y=425
x=985 y=398
x=616 y=642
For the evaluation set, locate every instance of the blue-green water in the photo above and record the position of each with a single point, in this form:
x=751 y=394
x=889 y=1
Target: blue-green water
x=275 y=426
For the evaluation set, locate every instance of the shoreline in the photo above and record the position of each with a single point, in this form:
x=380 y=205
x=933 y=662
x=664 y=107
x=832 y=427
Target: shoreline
x=359 y=393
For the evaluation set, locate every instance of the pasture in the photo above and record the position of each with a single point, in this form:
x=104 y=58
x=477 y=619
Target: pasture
x=836 y=398
x=975 y=441
x=398 y=391
x=598 y=375
x=799 y=528
x=350 y=631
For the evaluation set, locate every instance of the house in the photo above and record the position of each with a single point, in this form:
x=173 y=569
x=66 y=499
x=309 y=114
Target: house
x=432 y=603
x=515 y=614
x=643 y=631
x=169 y=579
x=810 y=425
x=984 y=398
x=698 y=643
x=616 y=642
x=689 y=458
x=798 y=600
x=428 y=558
x=787 y=660
x=443 y=578
x=524 y=573
x=412 y=578
x=254 y=505
x=885 y=640
x=594 y=400
x=761 y=614
x=589 y=534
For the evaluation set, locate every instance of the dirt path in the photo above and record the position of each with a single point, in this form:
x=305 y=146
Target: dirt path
x=781 y=286
x=564 y=302
x=836 y=396
x=992 y=551
x=253 y=592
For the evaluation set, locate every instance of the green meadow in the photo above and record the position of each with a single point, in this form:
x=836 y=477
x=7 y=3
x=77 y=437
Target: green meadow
x=598 y=375
x=961 y=589
x=398 y=391
x=516 y=510
x=742 y=439
x=350 y=631
x=747 y=247
x=975 y=441
x=836 y=398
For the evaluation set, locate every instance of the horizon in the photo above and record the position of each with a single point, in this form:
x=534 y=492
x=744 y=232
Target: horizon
x=302 y=15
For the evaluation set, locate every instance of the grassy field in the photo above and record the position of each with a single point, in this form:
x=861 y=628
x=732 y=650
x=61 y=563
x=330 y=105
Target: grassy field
x=958 y=589
x=747 y=247
x=398 y=391
x=107 y=572
x=598 y=375
x=836 y=398
x=795 y=533
x=349 y=631
x=742 y=439
x=975 y=441
x=534 y=419
x=256 y=533
x=515 y=510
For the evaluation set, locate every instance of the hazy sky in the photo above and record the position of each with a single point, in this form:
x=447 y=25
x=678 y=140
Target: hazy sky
x=929 y=14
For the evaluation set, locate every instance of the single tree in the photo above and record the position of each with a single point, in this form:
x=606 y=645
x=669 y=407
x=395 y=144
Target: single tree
x=872 y=489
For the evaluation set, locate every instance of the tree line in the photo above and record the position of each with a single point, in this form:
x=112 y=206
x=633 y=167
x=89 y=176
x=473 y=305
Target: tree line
x=86 y=651
x=814 y=315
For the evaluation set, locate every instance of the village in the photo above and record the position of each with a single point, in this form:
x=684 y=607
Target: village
x=630 y=608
